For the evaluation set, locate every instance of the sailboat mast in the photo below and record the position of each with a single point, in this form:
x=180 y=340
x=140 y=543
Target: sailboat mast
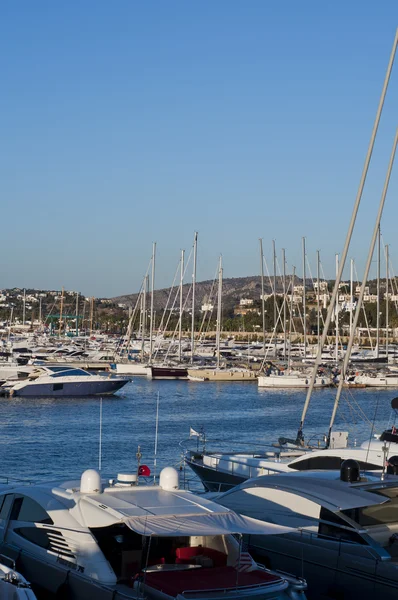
x=77 y=313
x=284 y=302
x=60 y=313
x=378 y=295
x=275 y=305
x=195 y=246
x=143 y=317
x=304 y=303
x=290 y=319
x=362 y=291
x=318 y=307
x=349 y=235
x=351 y=293
x=262 y=290
x=387 y=288
x=336 y=314
x=151 y=325
x=180 y=322
x=218 y=333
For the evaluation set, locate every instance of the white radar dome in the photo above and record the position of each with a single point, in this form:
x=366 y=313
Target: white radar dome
x=90 y=482
x=169 y=479
x=126 y=479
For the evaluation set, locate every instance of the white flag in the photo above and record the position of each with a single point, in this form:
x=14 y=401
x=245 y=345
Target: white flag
x=193 y=433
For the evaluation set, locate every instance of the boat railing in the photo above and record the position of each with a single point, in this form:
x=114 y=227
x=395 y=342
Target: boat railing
x=7 y=479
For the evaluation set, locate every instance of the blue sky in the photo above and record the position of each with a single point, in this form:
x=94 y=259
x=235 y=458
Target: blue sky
x=128 y=122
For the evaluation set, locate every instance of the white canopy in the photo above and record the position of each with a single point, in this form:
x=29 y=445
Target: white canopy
x=220 y=523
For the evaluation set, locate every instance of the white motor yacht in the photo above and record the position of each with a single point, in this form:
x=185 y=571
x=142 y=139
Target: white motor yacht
x=220 y=471
x=106 y=540
x=66 y=381
x=346 y=538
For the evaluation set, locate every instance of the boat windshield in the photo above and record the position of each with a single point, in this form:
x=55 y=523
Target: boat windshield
x=67 y=372
x=379 y=514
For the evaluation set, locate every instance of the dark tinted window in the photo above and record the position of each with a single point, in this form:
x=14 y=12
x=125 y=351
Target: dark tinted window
x=26 y=509
x=332 y=526
x=329 y=463
x=5 y=505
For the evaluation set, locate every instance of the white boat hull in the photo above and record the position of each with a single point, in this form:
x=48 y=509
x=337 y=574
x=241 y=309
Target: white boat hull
x=291 y=381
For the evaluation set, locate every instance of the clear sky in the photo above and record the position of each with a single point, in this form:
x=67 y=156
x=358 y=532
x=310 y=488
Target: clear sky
x=127 y=122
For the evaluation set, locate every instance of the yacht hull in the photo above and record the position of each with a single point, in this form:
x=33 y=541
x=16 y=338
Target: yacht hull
x=67 y=389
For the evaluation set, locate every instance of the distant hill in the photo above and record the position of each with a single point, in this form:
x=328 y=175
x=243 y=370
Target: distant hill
x=233 y=289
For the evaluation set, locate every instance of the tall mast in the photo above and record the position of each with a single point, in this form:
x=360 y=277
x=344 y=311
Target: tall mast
x=351 y=293
x=304 y=303
x=290 y=318
x=180 y=323
x=348 y=236
x=40 y=299
x=318 y=307
x=152 y=294
x=77 y=314
x=195 y=247
x=91 y=313
x=378 y=295
x=24 y=307
x=60 y=312
x=218 y=333
x=362 y=291
x=262 y=289
x=387 y=287
x=284 y=302
x=336 y=313
x=275 y=304
x=143 y=317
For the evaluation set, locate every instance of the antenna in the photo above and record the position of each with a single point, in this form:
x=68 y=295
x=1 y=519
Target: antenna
x=100 y=438
x=156 y=440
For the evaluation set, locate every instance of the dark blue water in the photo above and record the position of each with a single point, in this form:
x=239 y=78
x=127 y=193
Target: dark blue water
x=43 y=438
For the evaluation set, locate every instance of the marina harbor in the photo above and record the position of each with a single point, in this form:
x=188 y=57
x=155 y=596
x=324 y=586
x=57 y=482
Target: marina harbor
x=199 y=301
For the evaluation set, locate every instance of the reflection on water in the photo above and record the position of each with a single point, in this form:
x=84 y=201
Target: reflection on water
x=45 y=437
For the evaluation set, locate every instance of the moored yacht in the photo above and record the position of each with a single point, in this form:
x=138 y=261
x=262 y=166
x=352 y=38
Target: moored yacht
x=112 y=540
x=345 y=534
x=66 y=381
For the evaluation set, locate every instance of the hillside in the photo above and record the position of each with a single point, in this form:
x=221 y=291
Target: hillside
x=233 y=289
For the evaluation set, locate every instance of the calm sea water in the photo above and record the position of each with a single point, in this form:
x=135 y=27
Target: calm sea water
x=45 y=438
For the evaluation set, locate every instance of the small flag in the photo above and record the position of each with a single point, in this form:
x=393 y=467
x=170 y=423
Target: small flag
x=245 y=562
x=193 y=433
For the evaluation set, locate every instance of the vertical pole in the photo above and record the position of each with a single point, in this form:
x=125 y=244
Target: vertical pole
x=262 y=290
x=351 y=294
x=152 y=294
x=77 y=314
x=318 y=307
x=378 y=295
x=180 y=323
x=304 y=302
x=387 y=294
x=284 y=302
x=300 y=437
x=91 y=315
x=100 y=438
x=291 y=318
x=218 y=334
x=40 y=299
x=195 y=246
x=24 y=307
x=60 y=312
x=336 y=312
x=156 y=441
x=143 y=317
x=275 y=304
